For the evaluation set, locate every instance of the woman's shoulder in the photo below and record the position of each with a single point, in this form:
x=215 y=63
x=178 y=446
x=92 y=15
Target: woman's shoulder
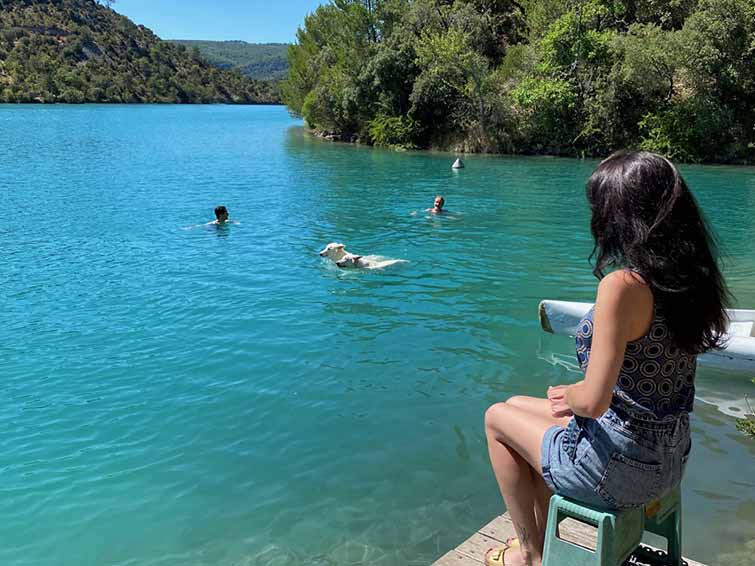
x=625 y=296
x=624 y=282
x=626 y=289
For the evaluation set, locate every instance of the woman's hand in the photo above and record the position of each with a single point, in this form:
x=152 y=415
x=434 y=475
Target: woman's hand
x=557 y=397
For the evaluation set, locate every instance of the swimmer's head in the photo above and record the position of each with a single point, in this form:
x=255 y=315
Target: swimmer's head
x=439 y=202
x=221 y=213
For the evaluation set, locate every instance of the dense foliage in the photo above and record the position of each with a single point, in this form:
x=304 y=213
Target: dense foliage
x=568 y=77
x=263 y=61
x=82 y=51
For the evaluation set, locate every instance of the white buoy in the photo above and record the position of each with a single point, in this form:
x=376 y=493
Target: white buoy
x=458 y=164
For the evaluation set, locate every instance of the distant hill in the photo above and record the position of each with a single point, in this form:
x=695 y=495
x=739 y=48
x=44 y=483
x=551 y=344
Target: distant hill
x=266 y=61
x=82 y=51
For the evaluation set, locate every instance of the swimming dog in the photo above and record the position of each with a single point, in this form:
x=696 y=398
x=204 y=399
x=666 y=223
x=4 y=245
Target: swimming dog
x=338 y=254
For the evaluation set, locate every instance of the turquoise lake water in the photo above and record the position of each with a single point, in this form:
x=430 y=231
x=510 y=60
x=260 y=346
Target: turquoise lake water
x=176 y=394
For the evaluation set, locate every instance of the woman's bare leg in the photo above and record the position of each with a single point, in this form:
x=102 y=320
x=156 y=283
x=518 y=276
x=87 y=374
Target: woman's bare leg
x=541 y=408
x=515 y=483
x=542 y=500
x=514 y=437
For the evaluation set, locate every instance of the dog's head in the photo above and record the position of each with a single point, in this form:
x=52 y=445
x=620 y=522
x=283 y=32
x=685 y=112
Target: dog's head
x=334 y=251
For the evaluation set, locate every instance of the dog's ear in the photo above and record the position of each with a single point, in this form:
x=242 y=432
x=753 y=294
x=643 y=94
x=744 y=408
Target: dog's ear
x=356 y=258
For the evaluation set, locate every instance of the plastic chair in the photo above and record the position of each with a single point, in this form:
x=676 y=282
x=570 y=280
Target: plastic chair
x=619 y=532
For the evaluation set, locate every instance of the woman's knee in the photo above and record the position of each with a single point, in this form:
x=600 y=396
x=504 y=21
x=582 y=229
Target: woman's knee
x=500 y=417
x=494 y=411
x=495 y=417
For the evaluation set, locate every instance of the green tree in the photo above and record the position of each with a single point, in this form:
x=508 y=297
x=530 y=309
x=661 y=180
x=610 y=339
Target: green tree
x=63 y=50
x=570 y=77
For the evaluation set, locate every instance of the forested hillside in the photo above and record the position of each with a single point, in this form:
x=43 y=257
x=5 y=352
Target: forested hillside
x=81 y=51
x=565 y=77
x=264 y=61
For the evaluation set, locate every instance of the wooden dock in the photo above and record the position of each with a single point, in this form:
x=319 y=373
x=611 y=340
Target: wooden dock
x=472 y=551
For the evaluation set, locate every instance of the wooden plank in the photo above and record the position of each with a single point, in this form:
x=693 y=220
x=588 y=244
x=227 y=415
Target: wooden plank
x=455 y=558
x=501 y=528
x=578 y=533
x=472 y=551
x=475 y=547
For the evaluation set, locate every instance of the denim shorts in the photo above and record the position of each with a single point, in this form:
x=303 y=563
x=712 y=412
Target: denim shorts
x=616 y=461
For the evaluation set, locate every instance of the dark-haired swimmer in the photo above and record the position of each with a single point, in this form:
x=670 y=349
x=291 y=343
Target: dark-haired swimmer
x=221 y=217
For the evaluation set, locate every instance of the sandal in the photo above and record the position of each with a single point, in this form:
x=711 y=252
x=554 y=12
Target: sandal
x=496 y=556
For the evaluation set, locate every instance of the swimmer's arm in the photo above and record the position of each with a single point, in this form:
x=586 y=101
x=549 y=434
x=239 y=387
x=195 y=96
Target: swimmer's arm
x=614 y=307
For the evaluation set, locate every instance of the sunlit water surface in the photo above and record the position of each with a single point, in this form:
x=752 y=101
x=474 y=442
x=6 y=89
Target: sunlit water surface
x=181 y=395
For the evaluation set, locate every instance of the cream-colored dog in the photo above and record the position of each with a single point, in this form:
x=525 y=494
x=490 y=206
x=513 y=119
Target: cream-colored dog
x=338 y=254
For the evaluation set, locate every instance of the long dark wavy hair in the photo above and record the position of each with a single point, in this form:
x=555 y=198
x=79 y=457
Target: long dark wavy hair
x=645 y=218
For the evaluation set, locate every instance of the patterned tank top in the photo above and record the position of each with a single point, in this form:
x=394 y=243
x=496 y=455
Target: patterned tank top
x=657 y=379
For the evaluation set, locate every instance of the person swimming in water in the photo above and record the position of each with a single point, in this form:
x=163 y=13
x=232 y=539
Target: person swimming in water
x=437 y=205
x=221 y=215
x=221 y=219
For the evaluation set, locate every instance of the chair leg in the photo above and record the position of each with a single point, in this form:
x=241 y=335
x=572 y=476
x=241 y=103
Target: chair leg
x=551 y=534
x=675 y=538
x=671 y=530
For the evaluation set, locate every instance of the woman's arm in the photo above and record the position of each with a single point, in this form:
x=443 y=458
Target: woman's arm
x=623 y=312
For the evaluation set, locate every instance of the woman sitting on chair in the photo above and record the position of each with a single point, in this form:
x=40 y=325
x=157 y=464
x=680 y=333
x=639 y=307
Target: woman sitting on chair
x=620 y=437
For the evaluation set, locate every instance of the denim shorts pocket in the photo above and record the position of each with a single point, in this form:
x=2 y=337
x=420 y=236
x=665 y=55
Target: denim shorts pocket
x=628 y=483
x=583 y=443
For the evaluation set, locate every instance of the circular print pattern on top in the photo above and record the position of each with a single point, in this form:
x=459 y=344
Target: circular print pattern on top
x=656 y=380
